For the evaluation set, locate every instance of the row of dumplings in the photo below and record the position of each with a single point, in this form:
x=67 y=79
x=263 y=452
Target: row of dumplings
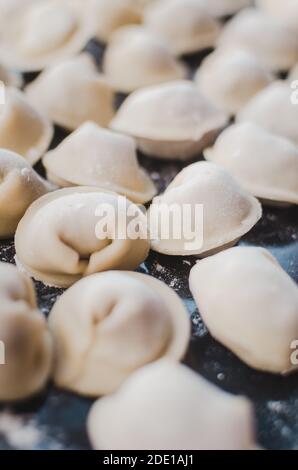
x=132 y=330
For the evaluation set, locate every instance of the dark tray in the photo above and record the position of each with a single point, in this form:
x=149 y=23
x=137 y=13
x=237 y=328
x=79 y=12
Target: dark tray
x=56 y=419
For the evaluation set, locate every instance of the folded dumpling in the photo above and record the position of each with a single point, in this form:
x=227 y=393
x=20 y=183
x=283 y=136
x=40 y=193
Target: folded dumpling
x=136 y=58
x=186 y=25
x=264 y=163
x=93 y=156
x=122 y=321
x=39 y=33
x=26 y=341
x=172 y=120
x=113 y=14
x=274 y=110
x=211 y=211
x=165 y=406
x=23 y=129
x=223 y=8
x=73 y=92
x=241 y=74
x=20 y=185
x=255 y=310
x=80 y=231
x=272 y=42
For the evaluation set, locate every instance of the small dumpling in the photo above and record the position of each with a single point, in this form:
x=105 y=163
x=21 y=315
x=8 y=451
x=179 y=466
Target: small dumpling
x=73 y=92
x=165 y=406
x=223 y=8
x=23 y=129
x=185 y=24
x=25 y=336
x=37 y=34
x=255 y=310
x=109 y=161
x=113 y=14
x=10 y=78
x=264 y=163
x=273 y=109
x=171 y=121
x=122 y=321
x=20 y=186
x=80 y=231
x=136 y=58
x=241 y=74
x=229 y=212
x=272 y=42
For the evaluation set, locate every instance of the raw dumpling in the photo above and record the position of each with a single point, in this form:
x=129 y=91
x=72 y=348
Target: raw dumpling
x=184 y=23
x=93 y=156
x=222 y=8
x=172 y=120
x=273 y=109
x=20 y=186
x=272 y=42
x=22 y=128
x=10 y=78
x=264 y=163
x=80 y=231
x=228 y=212
x=39 y=34
x=121 y=321
x=241 y=77
x=73 y=92
x=166 y=406
x=113 y=14
x=136 y=58
x=250 y=305
x=24 y=334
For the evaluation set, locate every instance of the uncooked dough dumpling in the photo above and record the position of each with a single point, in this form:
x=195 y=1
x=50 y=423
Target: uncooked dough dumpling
x=136 y=58
x=23 y=129
x=241 y=74
x=73 y=92
x=167 y=406
x=27 y=341
x=121 y=322
x=171 y=121
x=273 y=109
x=93 y=156
x=272 y=42
x=264 y=163
x=113 y=14
x=37 y=34
x=186 y=25
x=229 y=212
x=80 y=231
x=255 y=310
x=222 y=8
x=20 y=186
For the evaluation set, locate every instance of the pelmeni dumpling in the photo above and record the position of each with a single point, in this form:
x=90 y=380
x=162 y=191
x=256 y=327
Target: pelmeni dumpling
x=9 y=78
x=172 y=120
x=113 y=14
x=272 y=42
x=264 y=163
x=20 y=186
x=121 y=321
x=27 y=345
x=167 y=406
x=241 y=74
x=222 y=8
x=273 y=109
x=38 y=34
x=73 y=92
x=80 y=231
x=228 y=212
x=255 y=310
x=23 y=129
x=186 y=25
x=109 y=161
x=136 y=58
